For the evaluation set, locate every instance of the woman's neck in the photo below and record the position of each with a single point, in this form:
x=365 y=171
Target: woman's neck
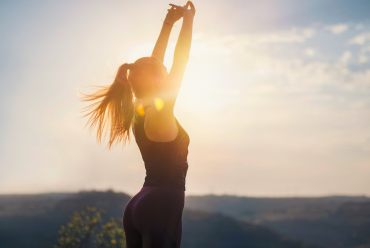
x=147 y=101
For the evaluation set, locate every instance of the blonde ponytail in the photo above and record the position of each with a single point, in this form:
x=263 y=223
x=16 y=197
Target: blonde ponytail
x=112 y=112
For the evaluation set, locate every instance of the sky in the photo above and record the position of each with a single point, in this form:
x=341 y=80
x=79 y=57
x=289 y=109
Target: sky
x=276 y=95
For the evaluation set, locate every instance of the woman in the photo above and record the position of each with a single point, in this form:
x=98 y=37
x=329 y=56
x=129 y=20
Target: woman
x=153 y=217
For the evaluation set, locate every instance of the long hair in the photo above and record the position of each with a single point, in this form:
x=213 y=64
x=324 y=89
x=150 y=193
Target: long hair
x=112 y=111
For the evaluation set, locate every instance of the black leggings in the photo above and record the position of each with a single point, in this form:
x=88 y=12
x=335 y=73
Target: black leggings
x=153 y=218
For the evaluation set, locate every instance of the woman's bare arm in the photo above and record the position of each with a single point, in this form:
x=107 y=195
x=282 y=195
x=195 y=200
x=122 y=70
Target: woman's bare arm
x=161 y=124
x=181 y=55
x=161 y=45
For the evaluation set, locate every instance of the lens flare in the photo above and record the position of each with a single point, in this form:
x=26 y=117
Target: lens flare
x=140 y=109
x=158 y=103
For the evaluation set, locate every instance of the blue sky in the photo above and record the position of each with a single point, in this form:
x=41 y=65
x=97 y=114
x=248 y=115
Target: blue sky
x=275 y=97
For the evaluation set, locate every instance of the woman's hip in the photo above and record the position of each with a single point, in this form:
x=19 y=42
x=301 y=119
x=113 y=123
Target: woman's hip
x=157 y=198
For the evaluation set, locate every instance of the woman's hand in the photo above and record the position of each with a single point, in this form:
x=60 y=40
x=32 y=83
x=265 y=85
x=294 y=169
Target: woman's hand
x=184 y=10
x=172 y=16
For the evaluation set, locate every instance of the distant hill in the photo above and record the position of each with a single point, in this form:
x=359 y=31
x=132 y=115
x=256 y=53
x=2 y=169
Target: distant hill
x=327 y=221
x=12 y=205
x=34 y=220
x=202 y=229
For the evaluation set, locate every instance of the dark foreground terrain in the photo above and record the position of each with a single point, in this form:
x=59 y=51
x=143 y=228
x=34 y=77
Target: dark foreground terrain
x=325 y=221
x=208 y=221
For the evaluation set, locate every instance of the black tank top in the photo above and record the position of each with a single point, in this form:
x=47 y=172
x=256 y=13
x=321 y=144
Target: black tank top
x=166 y=163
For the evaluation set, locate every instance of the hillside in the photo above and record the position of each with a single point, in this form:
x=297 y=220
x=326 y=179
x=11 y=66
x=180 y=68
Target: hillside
x=34 y=220
x=326 y=221
x=202 y=229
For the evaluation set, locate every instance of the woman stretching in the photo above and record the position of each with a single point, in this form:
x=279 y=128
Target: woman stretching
x=143 y=97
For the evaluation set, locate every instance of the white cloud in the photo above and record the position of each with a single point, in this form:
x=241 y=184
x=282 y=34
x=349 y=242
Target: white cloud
x=347 y=55
x=310 y=52
x=363 y=59
x=360 y=39
x=290 y=36
x=228 y=44
x=338 y=28
x=257 y=57
x=359 y=26
x=294 y=35
x=365 y=49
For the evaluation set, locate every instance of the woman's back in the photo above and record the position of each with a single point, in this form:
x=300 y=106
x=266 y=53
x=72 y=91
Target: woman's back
x=165 y=162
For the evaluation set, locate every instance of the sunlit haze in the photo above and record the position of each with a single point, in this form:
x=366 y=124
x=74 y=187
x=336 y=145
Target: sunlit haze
x=275 y=99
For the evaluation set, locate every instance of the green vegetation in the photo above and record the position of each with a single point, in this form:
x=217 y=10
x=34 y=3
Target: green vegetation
x=33 y=221
x=86 y=229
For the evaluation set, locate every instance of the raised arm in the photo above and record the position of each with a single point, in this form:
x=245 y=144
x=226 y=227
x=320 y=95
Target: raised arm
x=181 y=55
x=161 y=124
x=160 y=47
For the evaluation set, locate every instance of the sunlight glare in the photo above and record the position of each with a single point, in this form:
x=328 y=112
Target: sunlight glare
x=158 y=103
x=140 y=109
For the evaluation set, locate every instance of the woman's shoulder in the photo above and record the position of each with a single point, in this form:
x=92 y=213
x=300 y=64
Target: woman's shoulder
x=159 y=126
